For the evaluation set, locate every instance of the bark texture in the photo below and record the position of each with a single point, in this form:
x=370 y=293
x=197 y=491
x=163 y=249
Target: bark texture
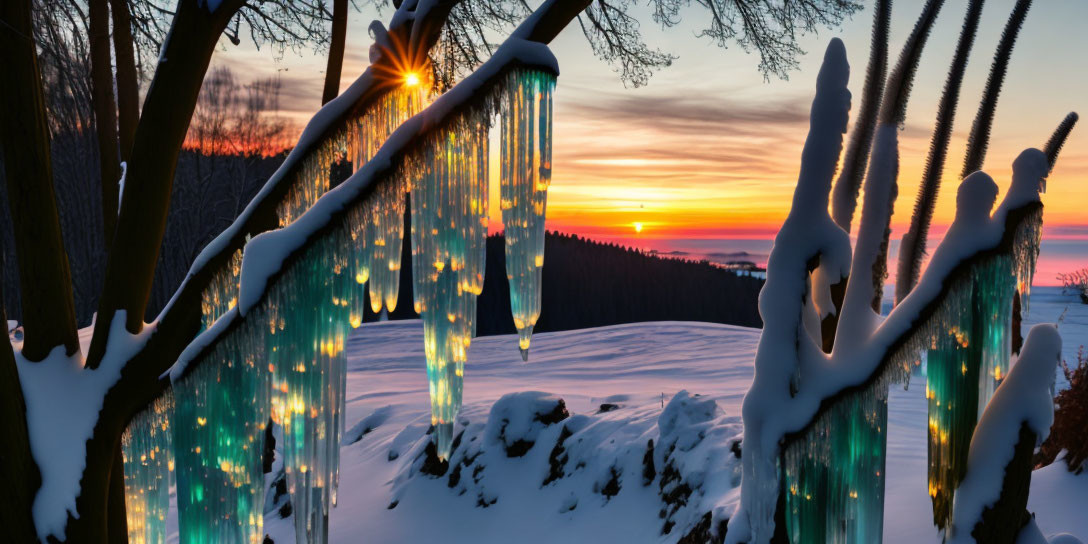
x=45 y=279
x=128 y=86
x=336 y=51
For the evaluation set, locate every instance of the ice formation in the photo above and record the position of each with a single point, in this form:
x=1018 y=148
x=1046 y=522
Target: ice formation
x=526 y=173
x=312 y=179
x=221 y=410
x=385 y=236
x=807 y=232
x=834 y=476
x=816 y=423
x=385 y=229
x=146 y=447
x=310 y=312
x=275 y=346
x=222 y=292
x=449 y=227
x=968 y=357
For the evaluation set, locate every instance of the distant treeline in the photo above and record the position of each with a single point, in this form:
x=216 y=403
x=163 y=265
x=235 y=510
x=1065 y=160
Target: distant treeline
x=591 y=284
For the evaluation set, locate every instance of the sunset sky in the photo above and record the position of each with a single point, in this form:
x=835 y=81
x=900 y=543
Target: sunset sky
x=706 y=156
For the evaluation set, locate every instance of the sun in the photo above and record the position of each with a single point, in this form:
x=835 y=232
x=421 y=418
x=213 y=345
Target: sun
x=638 y=227
x=411 y=79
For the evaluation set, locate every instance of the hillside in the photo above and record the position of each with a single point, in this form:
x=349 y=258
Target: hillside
x=591 y=284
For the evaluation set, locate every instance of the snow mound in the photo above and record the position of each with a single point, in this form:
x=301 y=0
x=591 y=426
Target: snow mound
x=517 y=420
x=667 y=467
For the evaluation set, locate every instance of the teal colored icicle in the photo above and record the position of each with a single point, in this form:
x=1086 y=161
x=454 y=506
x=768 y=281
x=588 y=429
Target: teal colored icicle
x=967 y=361
x=449 y=229
x=312 y=307
x=526 y=173
x=221 y=410
x=148 y=459
x=833 y=477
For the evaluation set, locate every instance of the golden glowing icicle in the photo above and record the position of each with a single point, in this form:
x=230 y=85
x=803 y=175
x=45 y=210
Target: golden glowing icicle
x=449 y=229
x=222 y=292
x=526 y=173
x=385 y=236
x=385 y=230
x=148 y=459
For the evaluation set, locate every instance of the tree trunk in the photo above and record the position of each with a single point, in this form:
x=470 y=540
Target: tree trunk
x=116 y=522
x=128 y=87
x=17 y=469
x=160 y=133
x=1002 y=521
x=48 y=309
x=336 y=51
x=105 y=113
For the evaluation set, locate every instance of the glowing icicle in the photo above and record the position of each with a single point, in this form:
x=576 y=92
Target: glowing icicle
x=392 y=109
x=385 y=232
x=969 y=357
x=148 y=460
x=526 y=173
x=312 y=179
x=449 y=229
x=359 y=262
x=833 y=477
x=384 y=240
x=222 y=292
x=357 y=142
x=221 y=410
x=311 y=311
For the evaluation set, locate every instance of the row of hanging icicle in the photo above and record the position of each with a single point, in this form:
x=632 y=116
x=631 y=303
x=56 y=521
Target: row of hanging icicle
x=833 y=475
x=285 y=362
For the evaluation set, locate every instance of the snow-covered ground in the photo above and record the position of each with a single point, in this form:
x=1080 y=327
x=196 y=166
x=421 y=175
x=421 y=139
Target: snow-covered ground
x=618 y=384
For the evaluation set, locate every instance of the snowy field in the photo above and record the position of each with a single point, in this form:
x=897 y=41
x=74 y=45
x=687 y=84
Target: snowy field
x=618 y=384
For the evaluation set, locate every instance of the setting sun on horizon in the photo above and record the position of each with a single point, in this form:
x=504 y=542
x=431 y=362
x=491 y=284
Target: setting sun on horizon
x=709 y=150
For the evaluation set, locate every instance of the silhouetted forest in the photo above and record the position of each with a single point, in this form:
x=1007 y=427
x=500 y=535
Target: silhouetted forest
x=590 y=284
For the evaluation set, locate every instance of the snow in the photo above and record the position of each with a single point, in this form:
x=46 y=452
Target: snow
x=639 y=368
x=266 y=253
x=807 y=233
x=1024 y=397
x=62 y=403
x=121 y=185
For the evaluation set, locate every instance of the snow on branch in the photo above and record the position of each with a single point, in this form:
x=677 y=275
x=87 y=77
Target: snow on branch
x=266 y=255
x=795 y=380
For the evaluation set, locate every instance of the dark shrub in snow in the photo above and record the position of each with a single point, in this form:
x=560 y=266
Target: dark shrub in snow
x=1070 y=429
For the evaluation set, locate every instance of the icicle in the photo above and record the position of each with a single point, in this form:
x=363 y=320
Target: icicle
x=312 y=307
x=359 y=262
x=1025 y=254
x=222 y=292
x=371 y=130
x=385 y=236
x=385 y=233
x=526 y=174
x=967 y=360
x=449 y=229
x=312 y=179
x=148 y=461
x=221 y=409
x=833 y=475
